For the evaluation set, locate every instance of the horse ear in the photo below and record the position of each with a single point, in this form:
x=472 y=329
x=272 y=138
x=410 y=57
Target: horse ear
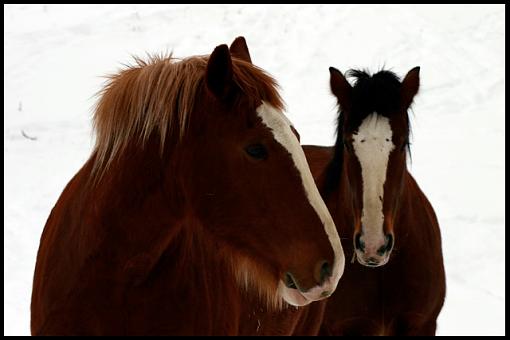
x=239 y=49
x=410 y=86
x=219 y=72
x=340 y=88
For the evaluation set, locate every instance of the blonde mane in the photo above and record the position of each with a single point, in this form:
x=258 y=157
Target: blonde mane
x=159 y=95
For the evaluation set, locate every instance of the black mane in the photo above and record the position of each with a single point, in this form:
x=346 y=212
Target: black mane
x=378 y=93
x=371 y=93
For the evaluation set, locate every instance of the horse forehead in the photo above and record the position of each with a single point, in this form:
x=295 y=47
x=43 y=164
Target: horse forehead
x=273 y=118
x=374 y=125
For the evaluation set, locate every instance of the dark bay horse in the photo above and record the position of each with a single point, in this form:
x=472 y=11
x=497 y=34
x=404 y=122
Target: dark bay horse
x=195 y=214
x=398 y=285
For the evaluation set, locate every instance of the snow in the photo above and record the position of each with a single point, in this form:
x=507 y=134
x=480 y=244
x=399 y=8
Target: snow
x=55 y=56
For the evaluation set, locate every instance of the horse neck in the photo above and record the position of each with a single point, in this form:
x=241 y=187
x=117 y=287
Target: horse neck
x=136 y=201
x=142 y=193
x=157 y=237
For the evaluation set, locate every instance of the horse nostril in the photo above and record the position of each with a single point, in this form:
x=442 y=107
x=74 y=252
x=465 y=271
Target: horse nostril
x=325 y=272
x=360 y=245
x=289 y=281
x=387 y=246
x=389 y=242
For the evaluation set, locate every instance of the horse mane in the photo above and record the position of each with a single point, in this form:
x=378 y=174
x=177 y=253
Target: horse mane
x=158 y=95
x=379 y=93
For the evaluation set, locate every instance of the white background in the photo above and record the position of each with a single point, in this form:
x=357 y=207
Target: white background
x=55 y=57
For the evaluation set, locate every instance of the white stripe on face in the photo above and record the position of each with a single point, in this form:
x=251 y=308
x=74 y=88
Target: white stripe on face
x=372 y=145
x=280 y=126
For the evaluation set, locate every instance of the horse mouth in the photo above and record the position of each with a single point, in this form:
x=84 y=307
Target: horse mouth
x=372 y=262
x=292 y=295
x=295 y=297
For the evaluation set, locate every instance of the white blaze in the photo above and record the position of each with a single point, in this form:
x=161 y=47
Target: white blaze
x=372 y=145
x=280 y=125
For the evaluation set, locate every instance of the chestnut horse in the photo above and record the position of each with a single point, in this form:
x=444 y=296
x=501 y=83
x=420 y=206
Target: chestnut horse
x=195 y=214
x=376 y=202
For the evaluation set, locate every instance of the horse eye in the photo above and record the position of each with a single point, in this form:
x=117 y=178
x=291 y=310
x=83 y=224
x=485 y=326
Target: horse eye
x=257 y=151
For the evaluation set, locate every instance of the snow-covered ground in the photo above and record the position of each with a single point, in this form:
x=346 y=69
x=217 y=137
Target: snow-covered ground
x=55 y=57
